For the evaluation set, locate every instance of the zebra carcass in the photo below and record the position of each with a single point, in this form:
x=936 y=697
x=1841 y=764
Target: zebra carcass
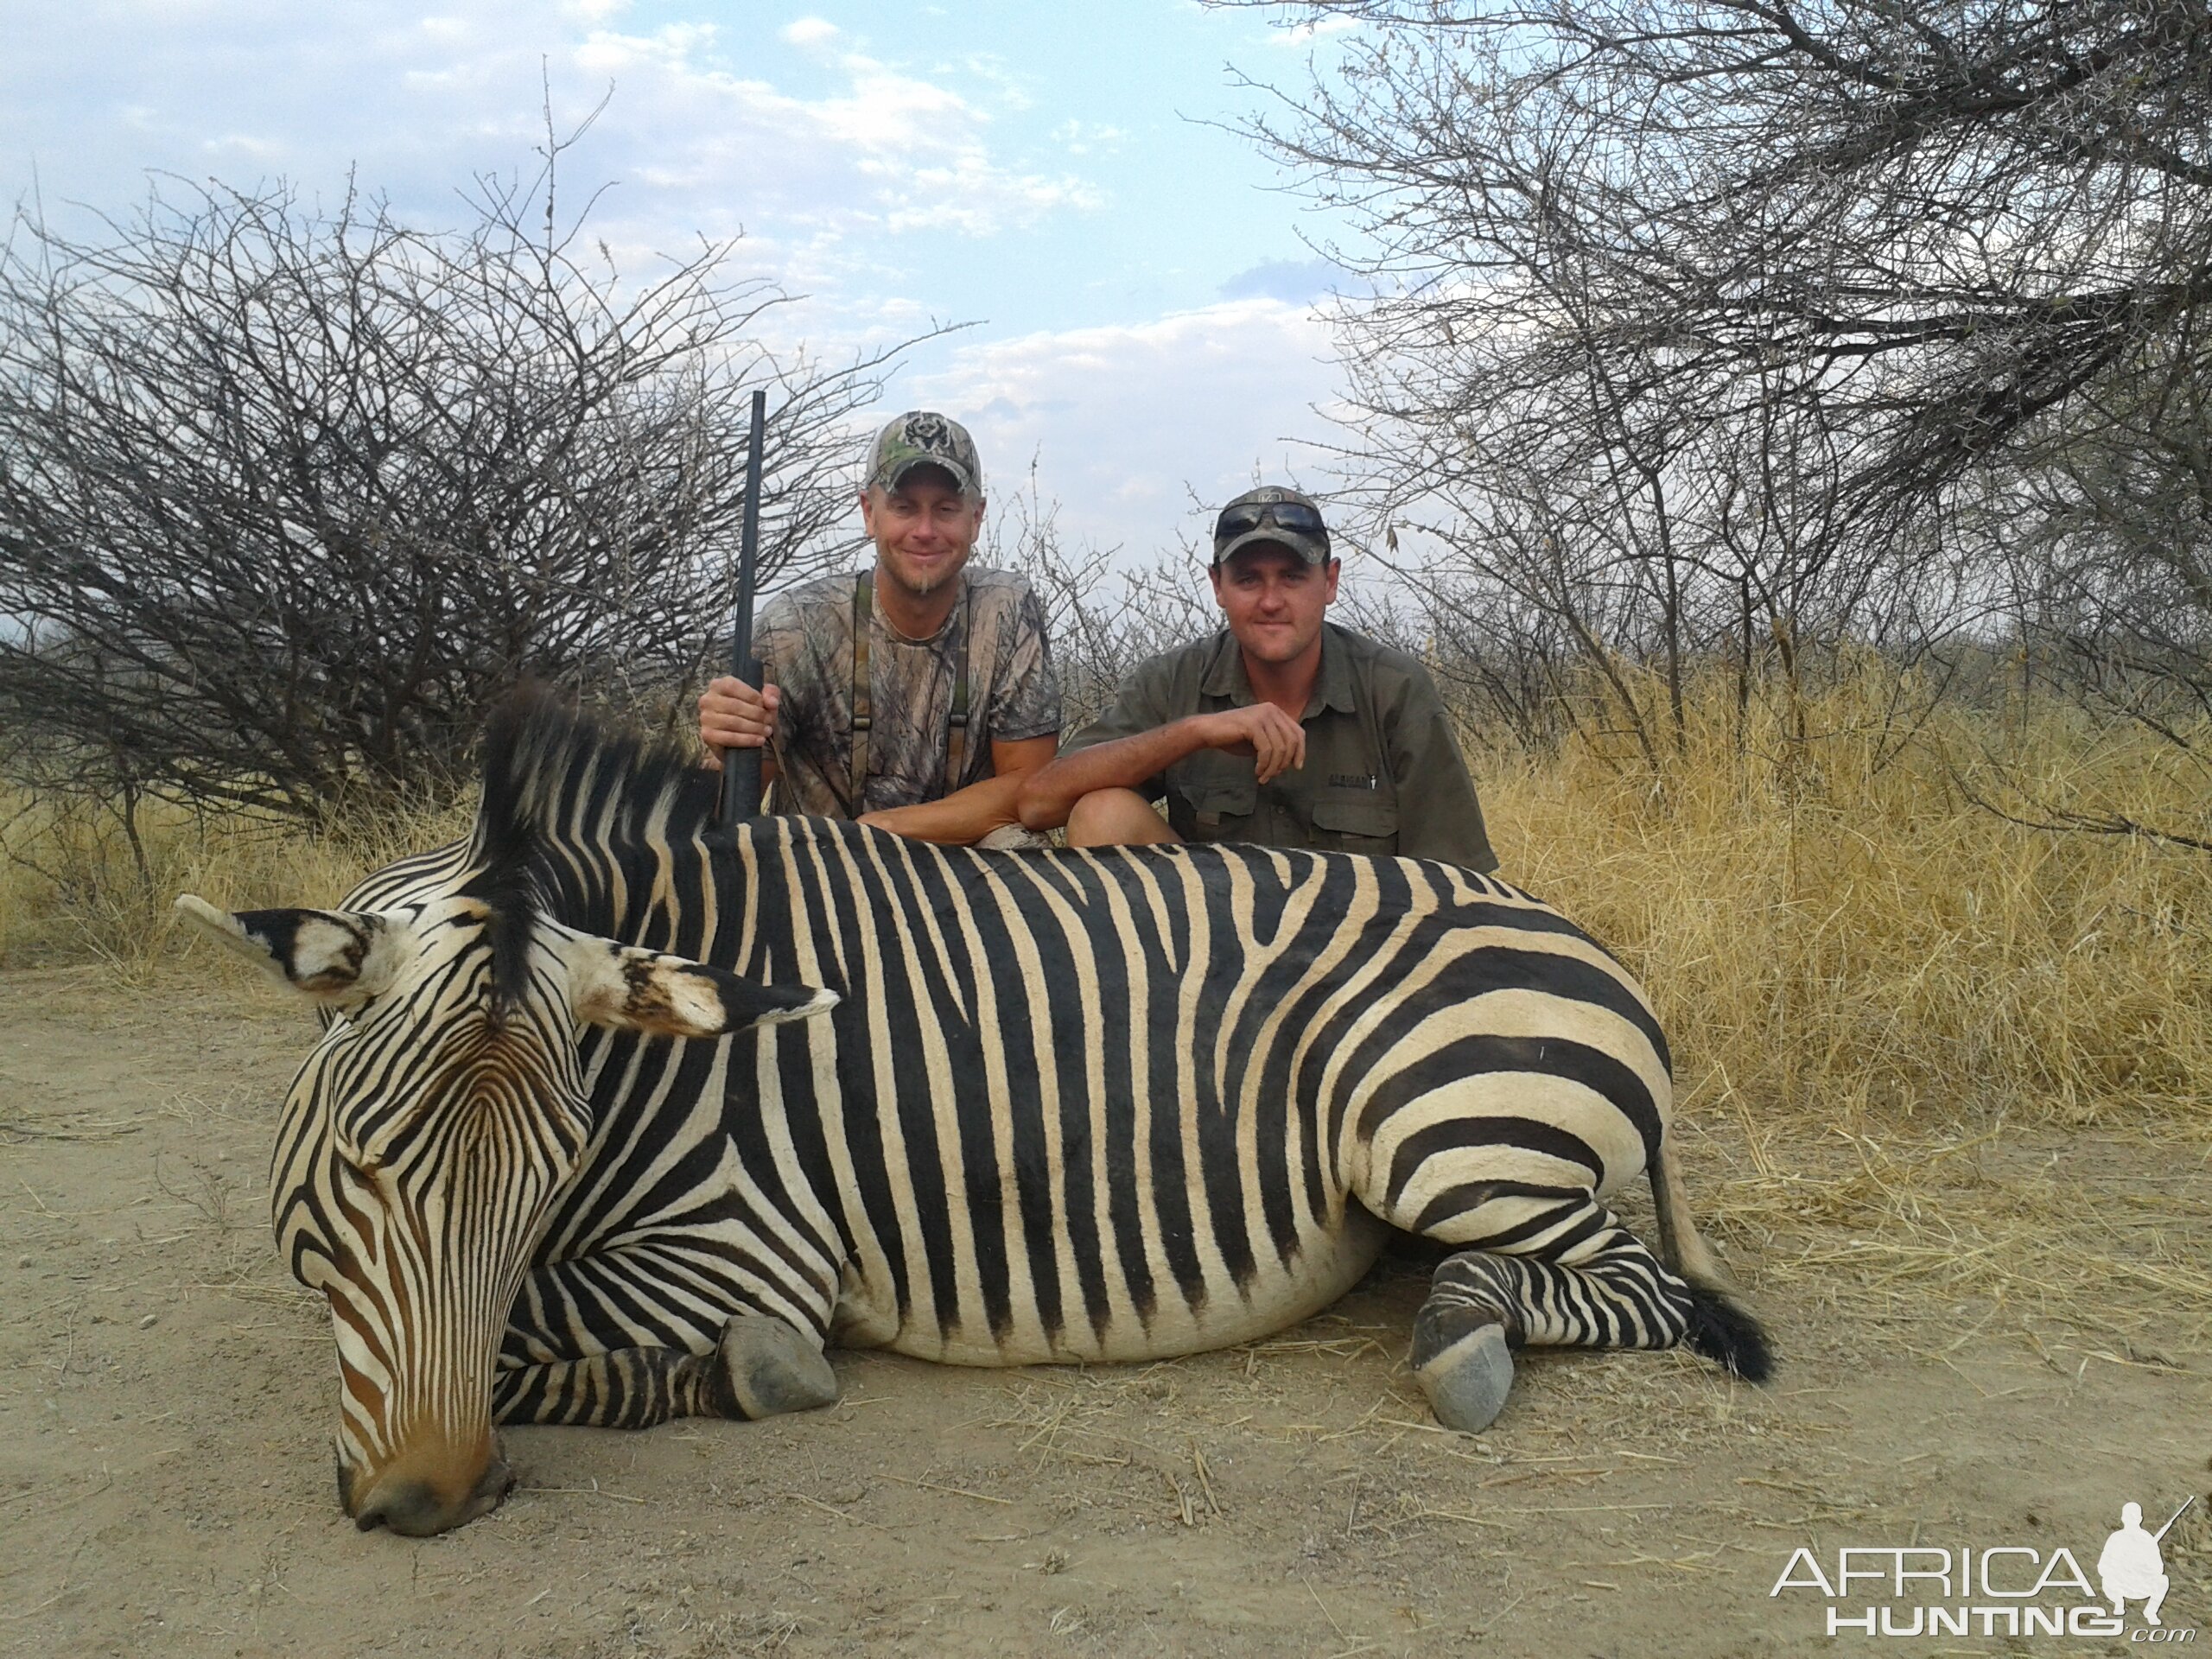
x=619 y=1117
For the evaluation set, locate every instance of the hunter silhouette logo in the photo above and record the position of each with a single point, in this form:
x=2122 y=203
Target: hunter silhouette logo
x=2131 y=1568
x=2011 y=1590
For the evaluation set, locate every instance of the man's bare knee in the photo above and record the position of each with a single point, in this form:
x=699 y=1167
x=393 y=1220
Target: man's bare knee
x=1115 y=817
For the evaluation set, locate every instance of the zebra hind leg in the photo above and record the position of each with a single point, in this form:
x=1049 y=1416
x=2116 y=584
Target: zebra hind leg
x=760 y=1368
x=1612 y=1294
x=1462 y=1351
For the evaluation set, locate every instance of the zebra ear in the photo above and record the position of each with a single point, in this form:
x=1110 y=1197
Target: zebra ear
x=631 y=989
x=340 y=957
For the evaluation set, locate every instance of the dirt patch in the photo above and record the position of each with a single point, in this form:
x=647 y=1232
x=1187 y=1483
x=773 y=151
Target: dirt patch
x=167 y=1395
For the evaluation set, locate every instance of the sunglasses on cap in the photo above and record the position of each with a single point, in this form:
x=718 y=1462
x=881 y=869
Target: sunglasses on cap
x=1283 y=515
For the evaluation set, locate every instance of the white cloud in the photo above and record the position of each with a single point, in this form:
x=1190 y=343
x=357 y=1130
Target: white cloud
x=669 y=48
x=261 y=152
x=1294 y=280
x=698 y=134
x=888 y=113
x=887 y=152
x=1012 y=90
x=1080 y=138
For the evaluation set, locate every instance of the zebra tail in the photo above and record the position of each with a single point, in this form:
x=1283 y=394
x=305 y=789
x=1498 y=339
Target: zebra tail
x=1720 y=1327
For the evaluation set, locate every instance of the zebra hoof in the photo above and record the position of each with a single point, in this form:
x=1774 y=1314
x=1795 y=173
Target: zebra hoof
x=1467 y=1382
x=769 y=1369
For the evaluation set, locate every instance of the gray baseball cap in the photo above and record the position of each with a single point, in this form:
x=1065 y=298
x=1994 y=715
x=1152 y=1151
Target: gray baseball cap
x=1271 y=516
x=921 y=437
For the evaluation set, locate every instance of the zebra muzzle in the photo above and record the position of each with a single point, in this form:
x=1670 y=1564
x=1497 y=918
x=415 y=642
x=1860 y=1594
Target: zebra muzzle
x=417 y=1507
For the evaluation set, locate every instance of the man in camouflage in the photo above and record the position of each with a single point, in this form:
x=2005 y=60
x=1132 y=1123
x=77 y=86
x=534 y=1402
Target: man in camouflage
x=916 y=696
x=1283 y=728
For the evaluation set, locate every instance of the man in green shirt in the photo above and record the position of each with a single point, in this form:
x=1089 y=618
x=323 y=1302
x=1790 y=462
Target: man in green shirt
x=1283 y=728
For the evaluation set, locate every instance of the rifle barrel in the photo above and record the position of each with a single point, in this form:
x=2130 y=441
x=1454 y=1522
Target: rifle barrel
x=2175 y=1516
x=742 y=766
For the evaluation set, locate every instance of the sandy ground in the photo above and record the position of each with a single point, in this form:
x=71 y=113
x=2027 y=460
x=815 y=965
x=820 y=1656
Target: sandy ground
x=167 y=1394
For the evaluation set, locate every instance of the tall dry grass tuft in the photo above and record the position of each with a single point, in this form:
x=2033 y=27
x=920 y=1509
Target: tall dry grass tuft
x=81 y=884
x=1830 y=925
x=1904 y=1029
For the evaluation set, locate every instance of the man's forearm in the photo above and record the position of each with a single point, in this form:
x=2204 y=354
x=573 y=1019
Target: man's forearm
x=1050 y=793
x=959 y=819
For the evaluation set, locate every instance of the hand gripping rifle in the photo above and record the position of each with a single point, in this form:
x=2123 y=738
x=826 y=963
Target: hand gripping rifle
x=742 y=766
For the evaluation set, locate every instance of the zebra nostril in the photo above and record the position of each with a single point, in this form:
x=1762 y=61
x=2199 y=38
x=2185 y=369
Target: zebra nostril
x=414 y=1508
x=411 y=1507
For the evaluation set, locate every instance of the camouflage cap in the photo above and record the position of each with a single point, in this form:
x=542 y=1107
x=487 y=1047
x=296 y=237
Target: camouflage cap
x=1271 y=516
x=921 y=437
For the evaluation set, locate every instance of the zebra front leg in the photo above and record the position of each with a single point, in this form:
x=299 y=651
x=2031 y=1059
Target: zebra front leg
x=765 y=1369
x=1482 y=1305
x=760 y=1368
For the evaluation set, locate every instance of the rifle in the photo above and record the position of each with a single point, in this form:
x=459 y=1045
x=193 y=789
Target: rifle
x=742 y=766
x=2175 y=1516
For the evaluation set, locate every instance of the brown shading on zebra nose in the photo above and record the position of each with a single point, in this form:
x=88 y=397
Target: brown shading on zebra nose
x=418 y=1506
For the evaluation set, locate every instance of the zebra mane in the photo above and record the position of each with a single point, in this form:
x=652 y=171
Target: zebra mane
x=563 y=792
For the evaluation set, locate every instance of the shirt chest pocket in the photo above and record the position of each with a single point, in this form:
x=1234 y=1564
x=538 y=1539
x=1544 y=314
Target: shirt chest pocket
x=1366 y=823
x=1209 y=800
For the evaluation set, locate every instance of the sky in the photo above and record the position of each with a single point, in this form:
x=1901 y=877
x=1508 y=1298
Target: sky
x=1138 y=282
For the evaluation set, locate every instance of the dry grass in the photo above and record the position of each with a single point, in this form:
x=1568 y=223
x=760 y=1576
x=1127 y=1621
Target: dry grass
x=1899 y=1019
x=73 y=887
x=1864 y=946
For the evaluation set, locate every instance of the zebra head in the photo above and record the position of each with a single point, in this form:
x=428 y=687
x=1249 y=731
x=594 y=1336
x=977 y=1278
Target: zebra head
x=424 y=1139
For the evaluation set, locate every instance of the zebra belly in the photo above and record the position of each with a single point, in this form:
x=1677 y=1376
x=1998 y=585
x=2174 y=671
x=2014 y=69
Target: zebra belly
x=1326 y=1266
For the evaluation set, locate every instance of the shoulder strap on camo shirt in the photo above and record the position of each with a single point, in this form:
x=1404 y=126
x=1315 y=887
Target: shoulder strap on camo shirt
x=956 y=737
x=955 y=741
x=863 y=605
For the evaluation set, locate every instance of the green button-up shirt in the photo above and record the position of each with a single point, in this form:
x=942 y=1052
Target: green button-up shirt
x=1382 y=773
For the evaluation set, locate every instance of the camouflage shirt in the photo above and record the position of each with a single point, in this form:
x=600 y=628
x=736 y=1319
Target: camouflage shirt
x=1383 y=774
x=804 y=642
